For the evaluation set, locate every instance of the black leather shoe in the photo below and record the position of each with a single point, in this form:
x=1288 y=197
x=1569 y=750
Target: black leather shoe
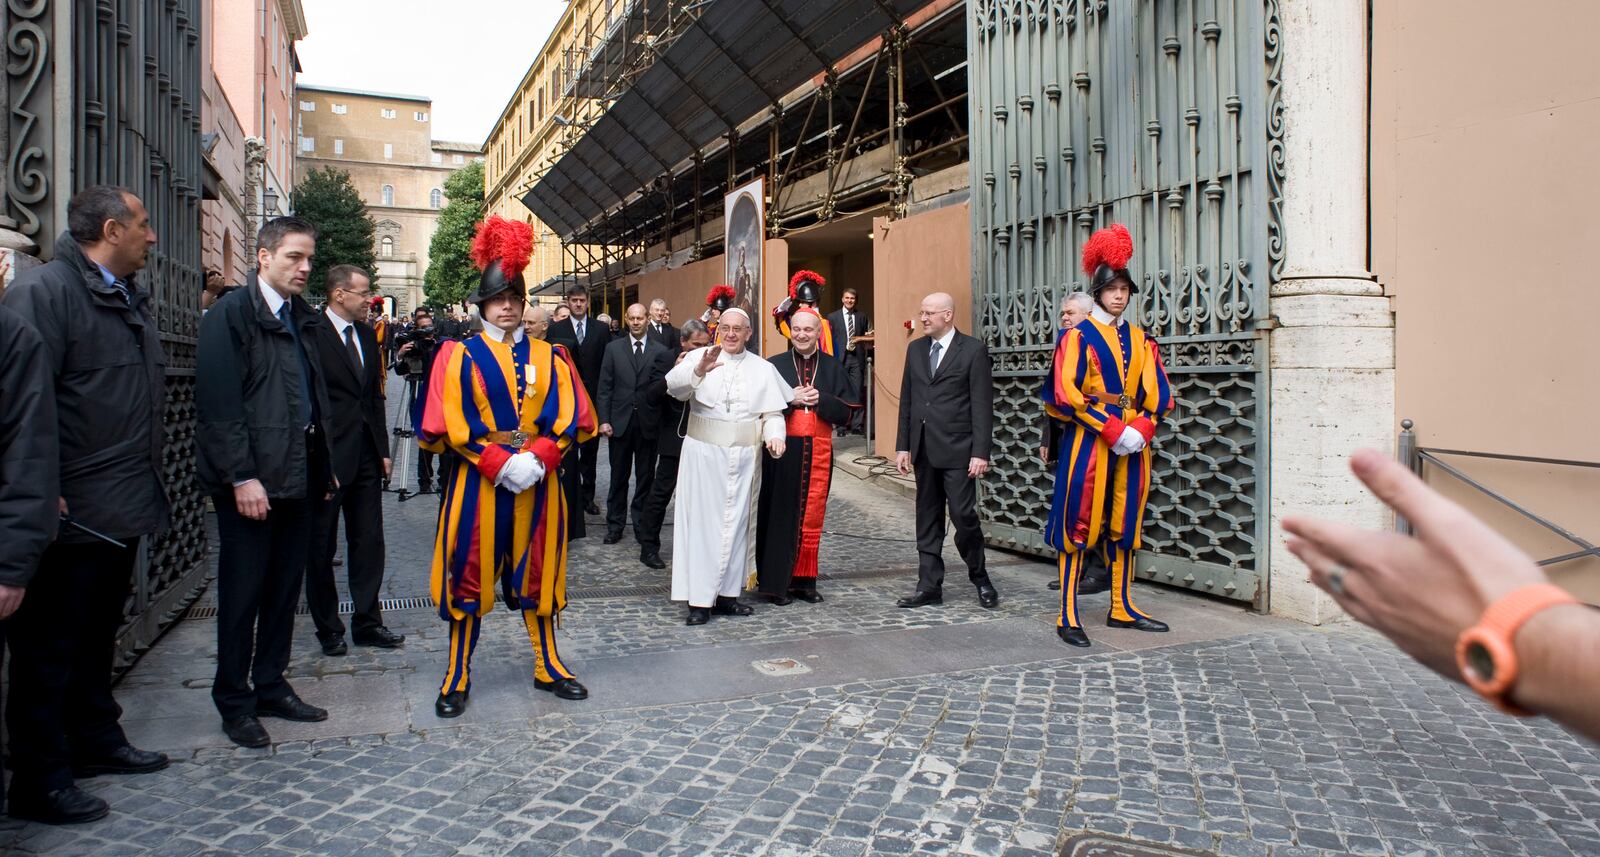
x=290 y=707
x=1073 y=636
x=126 y=759
x=334 y=648
x=698 y=616
x=592 y=508
x=726 y=606
x=246 y=731
x=779 y=600
x=379 y=637
x=425 y=488
x=1139 y=624
x=809 y=596
x=611 y=538
x=451 y=704
x=1093 y=585
x=563 y=688
x=988 y=596
x=1056 y=584
x=70 y=805
x=921 y=599
x=652 y=559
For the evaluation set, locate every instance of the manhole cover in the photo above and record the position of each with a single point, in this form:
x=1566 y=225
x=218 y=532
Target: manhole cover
x=1100 y=845
x=780 y=666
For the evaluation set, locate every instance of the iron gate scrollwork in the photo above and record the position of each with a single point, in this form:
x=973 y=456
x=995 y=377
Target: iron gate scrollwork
x=134 y=119
x=1164 y=115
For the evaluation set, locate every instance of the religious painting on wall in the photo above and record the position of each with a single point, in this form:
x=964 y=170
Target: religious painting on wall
x=744 y=227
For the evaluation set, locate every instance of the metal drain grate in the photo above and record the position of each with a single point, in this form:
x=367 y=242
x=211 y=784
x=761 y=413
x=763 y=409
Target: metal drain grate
x=346 y=608
x=1100 y=845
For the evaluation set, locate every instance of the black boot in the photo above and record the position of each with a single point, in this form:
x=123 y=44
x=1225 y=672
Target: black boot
x=1073 y=636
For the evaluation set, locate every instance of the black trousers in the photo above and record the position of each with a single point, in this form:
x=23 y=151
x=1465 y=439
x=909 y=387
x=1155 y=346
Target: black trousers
x=362 y=505
x=425 y=470
x=938 y=489
x=647 y=527
x=588 y=458
x=62 y=640
x=854 y=368
x=631 y=454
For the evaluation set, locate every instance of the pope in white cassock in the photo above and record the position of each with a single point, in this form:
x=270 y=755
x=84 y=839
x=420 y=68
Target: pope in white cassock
x=736 y=401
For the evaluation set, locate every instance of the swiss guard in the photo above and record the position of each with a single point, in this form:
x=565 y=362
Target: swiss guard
x=805 y=292
x=717 y=301
x=510 y=406
x=1109 y=389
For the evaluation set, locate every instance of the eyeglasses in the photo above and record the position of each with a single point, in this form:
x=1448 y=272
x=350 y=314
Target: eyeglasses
x=364 y=293
x=733 y=328
x=926 y=314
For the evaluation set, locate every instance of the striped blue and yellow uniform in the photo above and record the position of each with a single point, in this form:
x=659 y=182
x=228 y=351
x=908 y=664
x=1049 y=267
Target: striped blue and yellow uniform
x=476 y=388
x=1104 y=379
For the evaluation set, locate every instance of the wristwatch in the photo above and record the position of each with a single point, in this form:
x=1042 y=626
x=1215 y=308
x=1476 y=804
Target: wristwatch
x=1486 y=653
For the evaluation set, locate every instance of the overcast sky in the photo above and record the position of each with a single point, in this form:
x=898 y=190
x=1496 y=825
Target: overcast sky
x=467 y=55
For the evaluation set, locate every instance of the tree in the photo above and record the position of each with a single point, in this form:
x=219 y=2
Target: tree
x=451 y=274
x=327 y=199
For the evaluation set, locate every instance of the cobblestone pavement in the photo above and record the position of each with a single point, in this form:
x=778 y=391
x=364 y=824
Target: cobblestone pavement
x=950 y=730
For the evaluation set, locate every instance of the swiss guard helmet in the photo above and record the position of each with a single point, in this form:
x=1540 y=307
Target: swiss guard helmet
x=501 y=249
x=1105 y=259
x=720 y=297
x=806 y=287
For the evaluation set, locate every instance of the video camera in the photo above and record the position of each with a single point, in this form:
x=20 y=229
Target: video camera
x=424 y=341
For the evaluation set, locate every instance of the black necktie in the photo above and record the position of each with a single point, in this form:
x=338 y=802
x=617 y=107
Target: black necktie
x=351 y=346
x=933 y=357
x=308 y=412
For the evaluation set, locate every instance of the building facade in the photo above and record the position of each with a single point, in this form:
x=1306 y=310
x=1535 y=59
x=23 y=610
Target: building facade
x=385 y=142
x=225 y=222
x=254 y=61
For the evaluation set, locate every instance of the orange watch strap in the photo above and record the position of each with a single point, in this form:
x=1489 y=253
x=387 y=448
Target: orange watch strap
x=1495 y=634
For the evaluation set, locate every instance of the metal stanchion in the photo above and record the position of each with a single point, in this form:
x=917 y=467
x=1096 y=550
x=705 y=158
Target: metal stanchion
x=405 y=456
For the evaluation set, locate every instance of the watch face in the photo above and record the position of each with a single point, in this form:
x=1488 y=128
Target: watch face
x=1480 y=662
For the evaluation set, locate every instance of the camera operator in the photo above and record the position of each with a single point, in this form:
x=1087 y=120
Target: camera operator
x=416 y=348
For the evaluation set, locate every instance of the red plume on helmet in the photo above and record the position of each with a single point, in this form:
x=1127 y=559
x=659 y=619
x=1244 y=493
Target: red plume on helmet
x=801 y=276
x=1111 y=246
x=720 y=292
x=509 y=242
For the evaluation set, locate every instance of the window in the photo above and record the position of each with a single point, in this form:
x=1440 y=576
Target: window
x=339 y=109
x=438 y=158
x=308 y=107
x=421 y=115
x=308 y=144
x=541 y=102
x=388 y=112
x=436 y=198
x=388 y=194
x=457 y=159
x=386 y=247
x=388 y=150
x=338 y=145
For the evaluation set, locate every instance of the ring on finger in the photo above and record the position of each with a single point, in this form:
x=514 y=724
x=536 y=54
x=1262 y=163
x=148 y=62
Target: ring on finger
x=1336 y=579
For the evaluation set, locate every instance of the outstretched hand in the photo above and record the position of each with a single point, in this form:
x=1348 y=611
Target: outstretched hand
x=708 y=360
x=1420 y=591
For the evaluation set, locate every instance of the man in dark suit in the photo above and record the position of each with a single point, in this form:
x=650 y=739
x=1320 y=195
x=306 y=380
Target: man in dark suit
x=847 y=324
x=629 y=418
x=1096 y=578
x=670 y=428
x=348 y=350
x=661 y=329
x=946 y=427
x=585 y=339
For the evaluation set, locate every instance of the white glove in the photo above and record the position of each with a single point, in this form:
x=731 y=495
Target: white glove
x=521 y=472
x=1130 y=442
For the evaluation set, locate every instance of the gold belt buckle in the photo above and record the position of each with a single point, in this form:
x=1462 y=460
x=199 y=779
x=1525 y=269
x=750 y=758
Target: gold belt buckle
x=1124 y=402
x=518 y=438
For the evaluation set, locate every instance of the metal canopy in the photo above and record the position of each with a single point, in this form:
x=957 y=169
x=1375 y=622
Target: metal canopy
x=736 y=60
x=640 y=26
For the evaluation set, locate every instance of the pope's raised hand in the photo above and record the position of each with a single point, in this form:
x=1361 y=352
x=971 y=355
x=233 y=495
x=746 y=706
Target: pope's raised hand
x=708 y=360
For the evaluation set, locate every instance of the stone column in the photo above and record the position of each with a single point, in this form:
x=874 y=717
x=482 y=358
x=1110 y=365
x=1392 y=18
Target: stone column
x=1332 y=353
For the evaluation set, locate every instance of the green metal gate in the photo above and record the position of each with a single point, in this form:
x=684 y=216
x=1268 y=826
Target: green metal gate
x=1164 y=115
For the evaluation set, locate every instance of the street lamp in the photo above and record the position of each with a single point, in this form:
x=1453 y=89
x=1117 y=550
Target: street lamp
x=269 y=201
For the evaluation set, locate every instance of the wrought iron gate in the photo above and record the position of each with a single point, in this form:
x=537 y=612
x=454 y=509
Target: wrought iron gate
x=1164 y=115
x=132 y=118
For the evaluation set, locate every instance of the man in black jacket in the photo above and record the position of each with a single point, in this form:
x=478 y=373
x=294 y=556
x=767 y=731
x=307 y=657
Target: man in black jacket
x=661 y=329
x=348 y=351
x=847 y=323
x=628 y=418
x=30 y=462
x=104 y=352
x=946 y=428
x=669 y=443
x=586 y=340
x=417 y=348
x=264 y=457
